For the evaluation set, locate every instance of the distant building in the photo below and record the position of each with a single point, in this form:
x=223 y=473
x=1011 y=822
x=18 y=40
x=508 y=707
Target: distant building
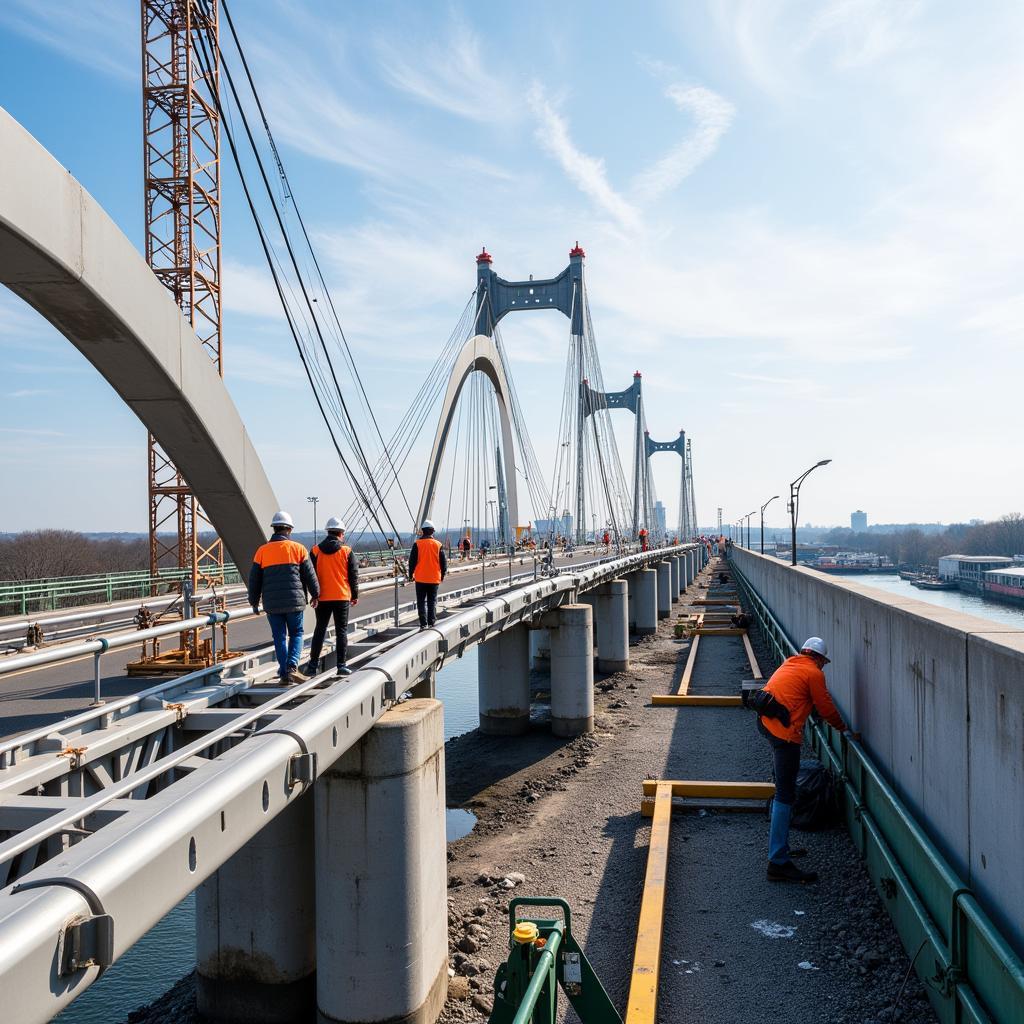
x=560 y=527
x=968 y=570
x=859 y=521
x=659 y=517
x=1004 y=585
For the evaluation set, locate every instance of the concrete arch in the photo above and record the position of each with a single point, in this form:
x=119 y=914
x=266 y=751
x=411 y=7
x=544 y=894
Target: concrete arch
x=478 y=353
x=67 y=259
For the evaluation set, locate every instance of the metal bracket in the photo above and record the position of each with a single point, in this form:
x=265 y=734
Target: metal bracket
x=179 y=711
x=302 y=770
x=86 y=942
x=74 y=754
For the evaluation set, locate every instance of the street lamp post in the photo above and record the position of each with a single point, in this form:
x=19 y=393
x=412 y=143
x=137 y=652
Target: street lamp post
x=794 y=503
x=747 y=517
x=763 y=507
x=314 y=501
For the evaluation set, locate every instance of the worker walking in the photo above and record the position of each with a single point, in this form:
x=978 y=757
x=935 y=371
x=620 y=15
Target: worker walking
x=338 y=575
x=427 y=566
x=796 y=688
x=281 y=577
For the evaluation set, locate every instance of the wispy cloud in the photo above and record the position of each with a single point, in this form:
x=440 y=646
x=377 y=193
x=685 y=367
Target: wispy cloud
x=712 y=115
x=586 y=172
x=101 y=35
x=29 y=393
x=450 y=76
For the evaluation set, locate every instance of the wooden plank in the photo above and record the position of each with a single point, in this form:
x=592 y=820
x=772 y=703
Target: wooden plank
x=642 y=1005
x=691 y=660
x=695 y=700
x=721 y=631
x=712 y=790
x=752 y=658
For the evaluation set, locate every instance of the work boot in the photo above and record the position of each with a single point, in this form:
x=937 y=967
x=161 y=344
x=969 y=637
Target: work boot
x=789 y=872
x=343 y=670
x=295 y=676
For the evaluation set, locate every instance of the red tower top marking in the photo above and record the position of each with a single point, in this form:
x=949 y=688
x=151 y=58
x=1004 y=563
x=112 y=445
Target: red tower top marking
x=577 y=251
x=485 y=256
x=637 y=375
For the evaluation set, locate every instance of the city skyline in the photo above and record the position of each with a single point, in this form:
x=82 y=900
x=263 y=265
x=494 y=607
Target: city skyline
x=803 y=234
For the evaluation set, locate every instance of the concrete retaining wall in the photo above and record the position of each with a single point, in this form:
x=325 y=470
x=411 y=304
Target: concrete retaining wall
x=939 y=698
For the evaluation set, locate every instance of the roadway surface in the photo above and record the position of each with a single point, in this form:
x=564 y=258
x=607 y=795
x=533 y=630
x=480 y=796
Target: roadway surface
x=38 y=696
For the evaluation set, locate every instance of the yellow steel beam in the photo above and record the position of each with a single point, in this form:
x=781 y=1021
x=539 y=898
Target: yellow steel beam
x=642 y=1006
x=691 y=660
x=676 y=700
x=752 y=658
x=712 y=790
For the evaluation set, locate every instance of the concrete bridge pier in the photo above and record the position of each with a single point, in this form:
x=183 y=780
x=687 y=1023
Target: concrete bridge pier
x=673 y=566
x=664 y=571
x=631 y=585
x=381 y=874
x=255 y=927
x=612 y=612
x=645 y=600
x=540 y=650
x=503 y=677
x=572 y=669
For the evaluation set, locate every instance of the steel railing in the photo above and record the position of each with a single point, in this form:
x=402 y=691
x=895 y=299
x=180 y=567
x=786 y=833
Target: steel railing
x=970 y=972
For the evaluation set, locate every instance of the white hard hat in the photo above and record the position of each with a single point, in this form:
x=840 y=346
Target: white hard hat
x=334 y=523
x=817 y=645
x=426 y=525
x=281 y=518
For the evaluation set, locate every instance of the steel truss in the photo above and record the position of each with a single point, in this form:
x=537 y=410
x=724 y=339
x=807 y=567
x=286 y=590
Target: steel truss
x=181 y=157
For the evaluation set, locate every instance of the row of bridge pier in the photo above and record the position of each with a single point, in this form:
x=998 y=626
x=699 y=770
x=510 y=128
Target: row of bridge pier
x=337 y=908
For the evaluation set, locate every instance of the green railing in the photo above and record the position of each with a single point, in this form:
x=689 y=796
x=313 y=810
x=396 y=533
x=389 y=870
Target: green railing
x=22 y=597
x=970 y=972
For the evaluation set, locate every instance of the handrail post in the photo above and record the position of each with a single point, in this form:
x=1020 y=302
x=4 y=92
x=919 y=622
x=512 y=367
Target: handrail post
x=97 y=678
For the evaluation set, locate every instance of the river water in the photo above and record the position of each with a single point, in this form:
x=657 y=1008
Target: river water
x=969 y=604
x=167 y=952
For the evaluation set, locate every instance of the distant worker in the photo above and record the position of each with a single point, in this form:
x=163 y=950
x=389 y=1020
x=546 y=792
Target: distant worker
x=606 y=539
x=427 y=566
x=797 y=687
x=338 y=576
x=643 y=538
x=466 y=545
x=281 y=577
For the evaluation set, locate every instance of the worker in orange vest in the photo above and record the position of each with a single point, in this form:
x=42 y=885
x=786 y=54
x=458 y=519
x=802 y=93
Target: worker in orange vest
x=643 y=538
x=427 y=567
x=338 y=575
x=796 y=688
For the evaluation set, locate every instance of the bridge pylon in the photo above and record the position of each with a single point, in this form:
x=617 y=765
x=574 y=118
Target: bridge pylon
x=681 y=446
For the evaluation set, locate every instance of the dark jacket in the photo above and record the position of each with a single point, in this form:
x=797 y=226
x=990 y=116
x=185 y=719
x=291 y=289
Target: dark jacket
x=329 y=545
x=413 y=559
x=281 y=576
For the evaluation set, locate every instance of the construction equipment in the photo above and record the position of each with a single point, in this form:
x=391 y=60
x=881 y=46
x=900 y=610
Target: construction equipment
x=543 y=955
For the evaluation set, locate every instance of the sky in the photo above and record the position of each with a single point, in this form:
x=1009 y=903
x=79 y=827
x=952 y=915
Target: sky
x=802 y=221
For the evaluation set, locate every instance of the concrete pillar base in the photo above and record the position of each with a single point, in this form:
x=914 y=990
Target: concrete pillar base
x=664 y=590
x=572 y=671
x=645 y=601
x=612 y=610
x=381 y=874
x=503 y=680
x=255 y=942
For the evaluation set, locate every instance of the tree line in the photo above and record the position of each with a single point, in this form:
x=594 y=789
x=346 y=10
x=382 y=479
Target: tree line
x=1003 y=536
x=37 y=554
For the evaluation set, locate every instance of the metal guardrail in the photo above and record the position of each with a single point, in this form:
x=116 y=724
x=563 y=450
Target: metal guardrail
x=970 y=972
x=98 y=894
x=20 y=597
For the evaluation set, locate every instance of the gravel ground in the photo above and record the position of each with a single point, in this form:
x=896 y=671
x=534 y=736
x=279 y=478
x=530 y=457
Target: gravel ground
x=561 y=818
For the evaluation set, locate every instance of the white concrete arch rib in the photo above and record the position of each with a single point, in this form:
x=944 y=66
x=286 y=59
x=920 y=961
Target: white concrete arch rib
x=478 y=353
x=66 y=258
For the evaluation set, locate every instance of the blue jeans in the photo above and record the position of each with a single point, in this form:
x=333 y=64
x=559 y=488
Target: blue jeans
x=785 y=765
x=287 y=630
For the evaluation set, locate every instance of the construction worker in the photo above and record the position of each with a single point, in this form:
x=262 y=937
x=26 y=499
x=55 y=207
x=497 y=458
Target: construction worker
x=643 y=538
x=281 y=577
x=798 y=688
x=427 y=566
x=338 y=576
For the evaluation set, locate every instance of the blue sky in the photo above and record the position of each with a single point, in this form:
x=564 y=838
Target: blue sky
x=802 y=223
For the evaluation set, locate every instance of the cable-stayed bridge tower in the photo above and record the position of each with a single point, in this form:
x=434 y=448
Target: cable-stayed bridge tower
x=680 y=446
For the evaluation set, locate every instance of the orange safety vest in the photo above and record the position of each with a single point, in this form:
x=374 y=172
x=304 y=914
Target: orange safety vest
x=279 y=552
x=332 y=573
x=428 y=561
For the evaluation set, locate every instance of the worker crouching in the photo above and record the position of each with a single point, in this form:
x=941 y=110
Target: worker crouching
x=337 y=574
x=796 y=688
x=427 y=567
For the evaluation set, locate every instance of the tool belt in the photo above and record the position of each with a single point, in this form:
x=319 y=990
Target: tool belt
x=768 y=707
